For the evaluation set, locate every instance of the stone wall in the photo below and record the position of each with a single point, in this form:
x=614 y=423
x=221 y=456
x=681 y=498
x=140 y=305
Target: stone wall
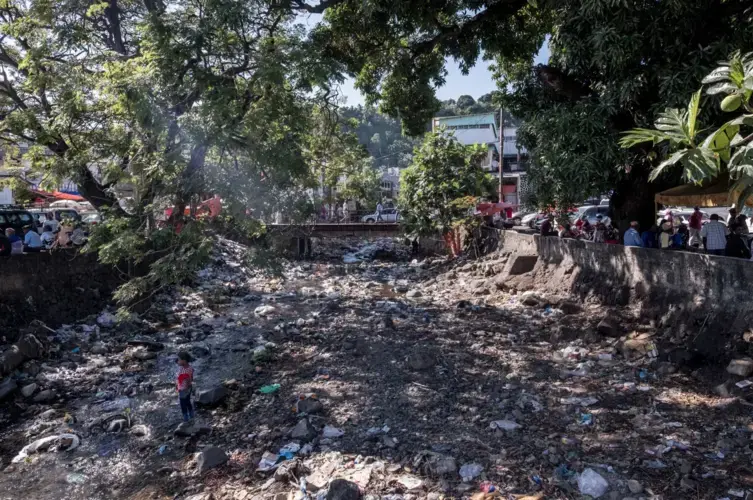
x=707 y=297
x=56 y=288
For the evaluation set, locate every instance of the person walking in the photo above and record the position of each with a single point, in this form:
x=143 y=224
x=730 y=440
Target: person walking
x=346 y=212
x=694 y=227
x=379 y=209
x=714 y=235
x=185 y=384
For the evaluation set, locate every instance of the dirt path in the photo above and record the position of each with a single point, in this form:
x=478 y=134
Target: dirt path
x=420 y=371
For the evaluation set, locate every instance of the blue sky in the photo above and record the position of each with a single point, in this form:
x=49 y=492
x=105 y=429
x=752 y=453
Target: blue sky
x=476 y=83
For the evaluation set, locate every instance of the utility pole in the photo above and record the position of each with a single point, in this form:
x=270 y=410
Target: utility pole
x=501 y=149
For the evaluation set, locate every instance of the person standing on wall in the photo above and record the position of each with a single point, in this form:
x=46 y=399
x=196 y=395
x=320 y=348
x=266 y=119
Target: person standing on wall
x=714 y=236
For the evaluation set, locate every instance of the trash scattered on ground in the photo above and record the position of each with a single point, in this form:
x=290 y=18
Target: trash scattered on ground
x=332 y=432
x=269 y=389
x=591 y=483
x=469 y=472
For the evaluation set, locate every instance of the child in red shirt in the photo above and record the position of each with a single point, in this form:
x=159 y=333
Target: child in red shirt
x=185 y=384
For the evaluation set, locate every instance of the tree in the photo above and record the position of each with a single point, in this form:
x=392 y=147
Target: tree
x=437 y=190
x=726 y=151
x=614 y=66
x=465 y=101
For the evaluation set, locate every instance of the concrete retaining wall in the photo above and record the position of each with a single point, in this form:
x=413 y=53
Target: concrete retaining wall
x=56 y=288
x=615 y=274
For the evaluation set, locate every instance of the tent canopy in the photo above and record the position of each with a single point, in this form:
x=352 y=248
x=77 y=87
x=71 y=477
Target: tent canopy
x=717 y=193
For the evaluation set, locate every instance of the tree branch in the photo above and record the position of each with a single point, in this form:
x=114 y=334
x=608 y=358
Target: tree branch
x=314 y=9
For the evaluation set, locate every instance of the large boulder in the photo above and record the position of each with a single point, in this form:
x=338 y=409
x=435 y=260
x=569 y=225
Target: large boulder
x=609 y=327
x=742 y=367
x=304 y=431
x=341 y=489
x=209 y=458
x=28 y=390
x=211 y=396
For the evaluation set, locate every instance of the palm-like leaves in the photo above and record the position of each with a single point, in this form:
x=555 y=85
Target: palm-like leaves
x=679 y=129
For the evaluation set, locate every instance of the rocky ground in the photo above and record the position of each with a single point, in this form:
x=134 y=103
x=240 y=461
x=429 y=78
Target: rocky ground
x=362 y=373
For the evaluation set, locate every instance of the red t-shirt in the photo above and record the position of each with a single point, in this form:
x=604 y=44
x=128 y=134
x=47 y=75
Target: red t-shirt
x=185 y=377
x=695 y=221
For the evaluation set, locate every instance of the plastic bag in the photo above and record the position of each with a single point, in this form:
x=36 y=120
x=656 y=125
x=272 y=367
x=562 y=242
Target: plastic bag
x=592 y=484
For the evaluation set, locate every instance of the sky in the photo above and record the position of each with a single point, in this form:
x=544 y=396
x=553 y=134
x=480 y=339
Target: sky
x=476 y=83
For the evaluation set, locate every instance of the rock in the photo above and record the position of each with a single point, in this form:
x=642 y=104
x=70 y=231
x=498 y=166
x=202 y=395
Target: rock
x=505 y=425
x=420 y=360
x=320 y=477
x=44 y=396
x=530 y=299
x=209 y=458
x=414 y=294
x=143 y=354
x=309 y=406
x=389 y=442
x=440 y=465
x=742 y=367
x=609 y=327
x=722 y=390
x=410 y=482
x=568 y=307
x=30 y=347
x=304 y=430
x=28 y=390
x=634 y=486
x=149 y=344
x=264 y=311
x=211 y=396
x=98 y=348
x=190 y=429
x=330 y=432
x=341 y=489
x=635 y=347
x=7 y=387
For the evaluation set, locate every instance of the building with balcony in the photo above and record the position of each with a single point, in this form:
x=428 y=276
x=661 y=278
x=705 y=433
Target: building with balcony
x=483 y=129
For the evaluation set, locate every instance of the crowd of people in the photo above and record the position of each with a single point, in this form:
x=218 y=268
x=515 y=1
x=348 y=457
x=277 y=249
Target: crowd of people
x=715 y=237
x=55 y=234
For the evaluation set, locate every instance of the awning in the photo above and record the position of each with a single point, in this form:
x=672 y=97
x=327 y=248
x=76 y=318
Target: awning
x=712 y=194
x=65 y=196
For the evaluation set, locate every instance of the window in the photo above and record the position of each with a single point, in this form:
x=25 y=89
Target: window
x=25 y=218
x=387 y=185
x=3 y=220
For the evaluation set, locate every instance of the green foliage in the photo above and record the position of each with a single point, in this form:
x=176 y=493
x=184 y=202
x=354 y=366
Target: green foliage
x=442 y=184
x=705 y=161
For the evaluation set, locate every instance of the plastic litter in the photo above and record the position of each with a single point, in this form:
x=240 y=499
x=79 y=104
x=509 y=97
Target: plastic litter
x=289 y=450
x=76 y=350
x=75 y=478
x=331 y=432
x=505 y=425
x=592 y=484
x=469 y=472
x=579 y=401
x=162 y=449
x=586 y=419
x=744 y=383
x=268 y=462
x=269 y=389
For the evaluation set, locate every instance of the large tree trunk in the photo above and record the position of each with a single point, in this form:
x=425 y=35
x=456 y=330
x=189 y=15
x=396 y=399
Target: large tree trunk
x=633 y=200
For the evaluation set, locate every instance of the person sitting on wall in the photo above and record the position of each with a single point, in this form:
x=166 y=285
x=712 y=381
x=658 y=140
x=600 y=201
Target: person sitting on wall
x=600 y=230
x=736 y=244
x=16 y=244
x=547 y=228
x=649 y=237
x=32 y=241
x=632 y=236
x=48 y=236
x=567 y=232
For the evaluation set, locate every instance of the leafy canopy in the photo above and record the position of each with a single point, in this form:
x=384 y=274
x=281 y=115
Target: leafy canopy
x=726 y=150
x=435 y=190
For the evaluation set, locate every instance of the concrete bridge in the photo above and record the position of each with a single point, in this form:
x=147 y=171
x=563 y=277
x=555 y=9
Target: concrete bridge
x=325 y=230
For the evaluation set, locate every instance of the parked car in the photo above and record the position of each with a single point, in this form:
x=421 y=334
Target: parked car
x=58 y=213
x=15 y=218
x=92 y=218
x=517 y=217
x=388 y=215
x=591 y=211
